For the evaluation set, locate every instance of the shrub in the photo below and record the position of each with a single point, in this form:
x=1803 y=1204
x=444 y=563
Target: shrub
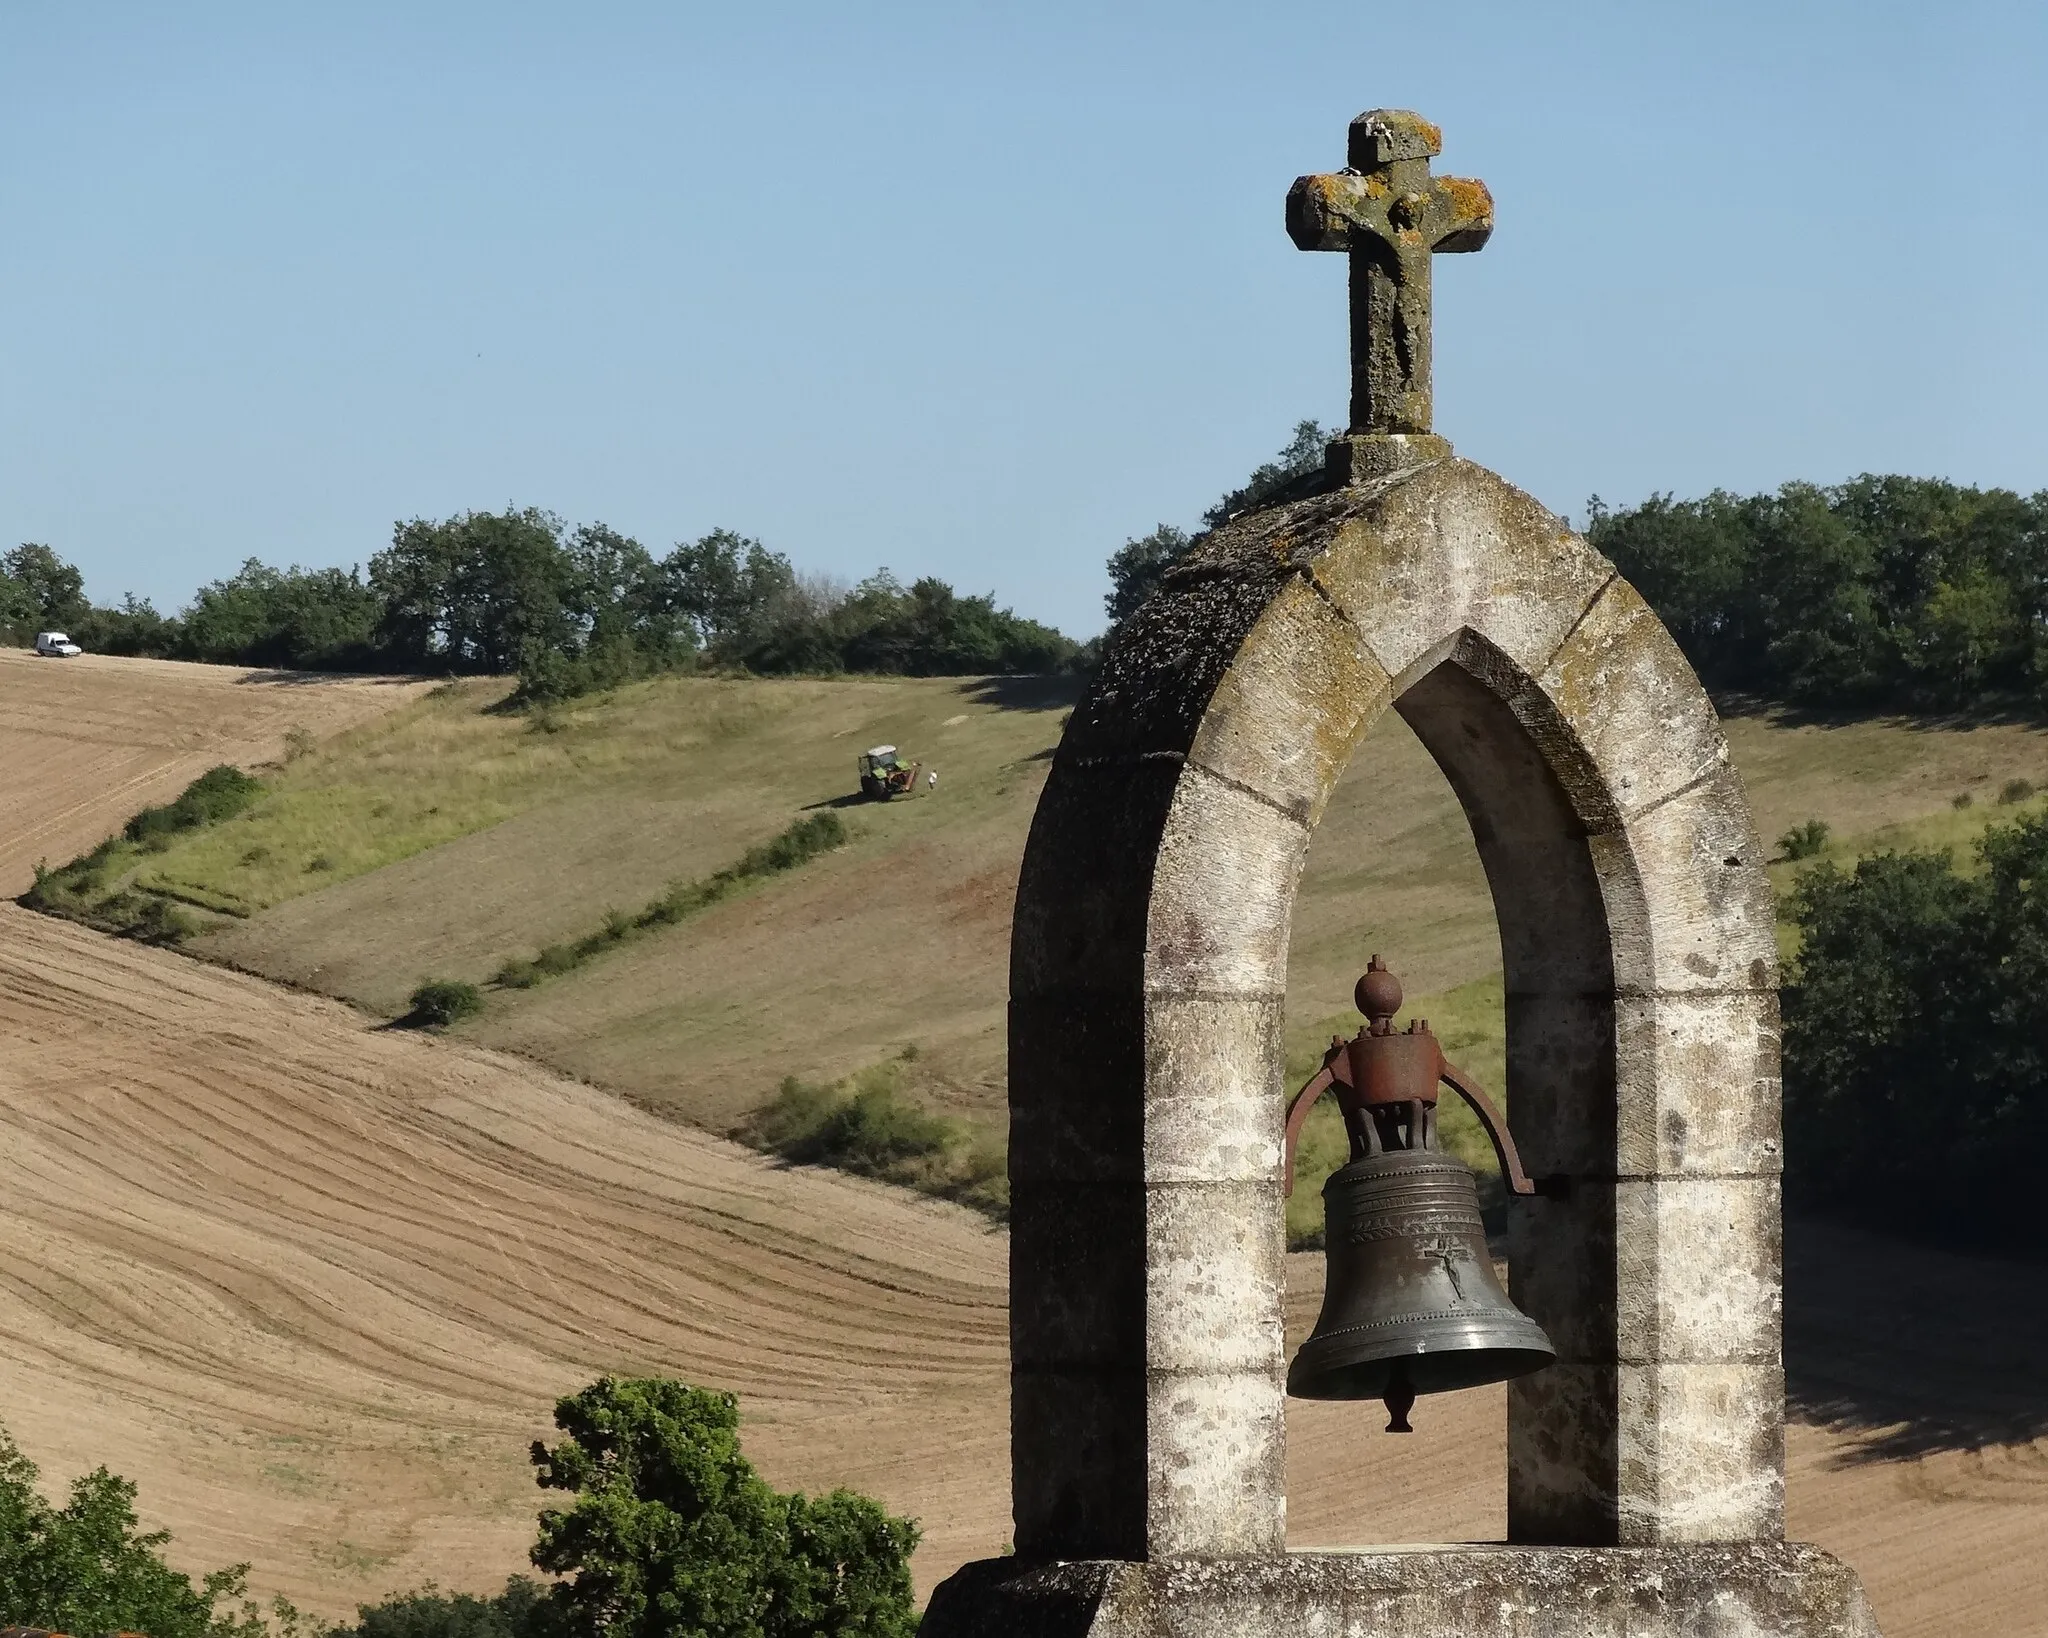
x=2015 y=790
x=1805 y=841
x=867 y=1125
x=443 y=1001
x=1961 y=800
x=522 y=1610
x=219 y=793
x=673 y=1532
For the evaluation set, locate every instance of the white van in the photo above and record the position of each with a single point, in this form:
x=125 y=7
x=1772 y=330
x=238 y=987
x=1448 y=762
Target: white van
x=56 y=645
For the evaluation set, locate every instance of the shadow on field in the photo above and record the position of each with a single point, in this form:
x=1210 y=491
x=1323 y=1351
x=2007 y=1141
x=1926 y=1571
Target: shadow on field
x=273 y=678
x=1054 y=693
x=2014 y=712
x=1925 y=1350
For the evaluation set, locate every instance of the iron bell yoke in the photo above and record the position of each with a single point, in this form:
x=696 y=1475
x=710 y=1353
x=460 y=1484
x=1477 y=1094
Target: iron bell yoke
x=1411 y=1304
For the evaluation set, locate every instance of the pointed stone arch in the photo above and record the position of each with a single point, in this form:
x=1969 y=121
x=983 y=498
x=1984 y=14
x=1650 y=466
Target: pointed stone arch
x=1148 y=969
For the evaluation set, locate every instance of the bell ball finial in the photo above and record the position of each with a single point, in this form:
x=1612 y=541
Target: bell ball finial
x=1378 y=995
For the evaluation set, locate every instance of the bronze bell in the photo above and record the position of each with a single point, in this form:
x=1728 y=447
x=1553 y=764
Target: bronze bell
x=1410 y=1301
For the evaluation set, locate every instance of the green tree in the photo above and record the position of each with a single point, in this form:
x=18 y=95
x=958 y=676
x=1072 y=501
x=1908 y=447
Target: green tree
x=522 y=1610
x=1302 y=454
x=87 y=1568
x=672 y=1531
x=53 y=590
x=1884 y=591
x=1137 y=567
x=1916 y=1038
x=306 y=619
x=476 y=592
x=727 y=588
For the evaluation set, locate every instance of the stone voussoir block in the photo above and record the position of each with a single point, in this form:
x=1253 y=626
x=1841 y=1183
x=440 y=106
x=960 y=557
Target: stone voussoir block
x=1562 y=1442
x=1561 y=1268
x=1084 y=889
x=1222 y=892
x=1295 y=702
x=1452 y=548
x=1689 y=906
x=1641 y=719
x=1216 y=1462
x=1561 y=1081
x=1077 y=1275
x=1700 y=1450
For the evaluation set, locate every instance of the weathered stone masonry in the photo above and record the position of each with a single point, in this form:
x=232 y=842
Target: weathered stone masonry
x=1148 y=969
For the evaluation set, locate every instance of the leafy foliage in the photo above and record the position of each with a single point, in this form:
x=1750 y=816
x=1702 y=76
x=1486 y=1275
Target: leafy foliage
x=1885 y=591
x=1137 y=567
x=1807 y=841
x=219 y=793
x=867 y=1125
x=314 y=619
x=522 y=1610
x=38 y=589
x=87 y=1567
x=672 y=1531
x=1302 y=454
x=1916 y=1038
x=96 y=888
x=443 y=1001
x=572 y=611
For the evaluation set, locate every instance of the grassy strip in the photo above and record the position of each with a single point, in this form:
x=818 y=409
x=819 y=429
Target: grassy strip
x=802 y=842
x=866 y=1125
x=98 y=887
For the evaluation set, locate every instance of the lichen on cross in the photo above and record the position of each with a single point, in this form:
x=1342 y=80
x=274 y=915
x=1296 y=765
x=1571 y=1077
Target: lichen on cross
x=1392 y=216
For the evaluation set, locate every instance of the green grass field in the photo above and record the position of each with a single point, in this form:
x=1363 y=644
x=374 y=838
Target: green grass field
x=448 y=840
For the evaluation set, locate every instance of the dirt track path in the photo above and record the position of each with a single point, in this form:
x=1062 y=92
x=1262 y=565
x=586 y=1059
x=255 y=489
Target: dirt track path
x=314 y=1285
x=85 y=742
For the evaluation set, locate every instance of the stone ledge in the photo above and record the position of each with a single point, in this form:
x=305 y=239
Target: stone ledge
x=1733 y=1590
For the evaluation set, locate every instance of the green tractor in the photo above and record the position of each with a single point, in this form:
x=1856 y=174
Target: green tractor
x=884 y=774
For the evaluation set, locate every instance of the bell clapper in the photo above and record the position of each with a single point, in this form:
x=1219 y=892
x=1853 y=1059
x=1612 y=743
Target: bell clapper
x=1399 y=1400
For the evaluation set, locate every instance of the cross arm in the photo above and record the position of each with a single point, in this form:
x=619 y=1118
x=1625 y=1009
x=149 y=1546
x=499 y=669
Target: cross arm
x=1349 y=210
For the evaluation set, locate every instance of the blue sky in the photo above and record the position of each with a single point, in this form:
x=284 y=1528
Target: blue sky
x=978 y=291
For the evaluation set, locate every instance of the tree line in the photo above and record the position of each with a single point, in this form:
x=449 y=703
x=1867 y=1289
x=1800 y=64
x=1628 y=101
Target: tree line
x=568 y=609
x=1916 y=1039
x=1885 y=592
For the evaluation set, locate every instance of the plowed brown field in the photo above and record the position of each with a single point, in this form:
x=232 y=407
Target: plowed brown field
x=85 y=742
x=313 y=1283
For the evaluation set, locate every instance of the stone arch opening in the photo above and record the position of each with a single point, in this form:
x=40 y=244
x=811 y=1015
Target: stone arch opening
x=1522 y=855
x=1148 y=974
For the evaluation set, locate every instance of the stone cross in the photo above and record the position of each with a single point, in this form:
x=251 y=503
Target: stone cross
x=1392 y=216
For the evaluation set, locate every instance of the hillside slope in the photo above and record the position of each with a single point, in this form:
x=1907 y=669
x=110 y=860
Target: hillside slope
x=504 y=839
x=85 y=742
x=314 y=1285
